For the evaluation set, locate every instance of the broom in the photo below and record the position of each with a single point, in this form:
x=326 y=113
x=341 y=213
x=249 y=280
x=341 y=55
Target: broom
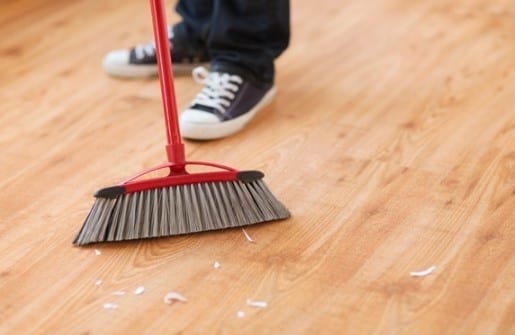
x=180 y=202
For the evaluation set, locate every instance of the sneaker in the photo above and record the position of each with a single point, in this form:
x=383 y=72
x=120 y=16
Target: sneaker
x=224 y=106
x=140 y=61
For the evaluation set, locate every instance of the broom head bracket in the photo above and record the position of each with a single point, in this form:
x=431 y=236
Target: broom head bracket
x=178 y=175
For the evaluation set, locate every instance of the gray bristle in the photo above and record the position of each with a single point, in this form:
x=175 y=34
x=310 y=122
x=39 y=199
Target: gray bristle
x=179 y=210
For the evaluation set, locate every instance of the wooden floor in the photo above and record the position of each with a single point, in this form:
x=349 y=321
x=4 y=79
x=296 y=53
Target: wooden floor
x=391 y=140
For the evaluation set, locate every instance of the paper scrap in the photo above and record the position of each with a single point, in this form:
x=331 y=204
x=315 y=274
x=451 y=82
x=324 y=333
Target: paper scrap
x=256 y=303
x=423 y=273
x=240 y=314
x=216 y=265
x=119 y=293
x=170 y=297
x=110 y=305
x=98 y=282
x=247 y=236
x=98 y=252
x=139 y=290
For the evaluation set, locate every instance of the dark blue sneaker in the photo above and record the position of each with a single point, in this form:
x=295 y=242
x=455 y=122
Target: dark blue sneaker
x=224 y=106
x=140 y=61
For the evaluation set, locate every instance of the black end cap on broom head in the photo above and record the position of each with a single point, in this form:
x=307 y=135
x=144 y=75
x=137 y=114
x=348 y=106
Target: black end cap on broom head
x=247 y=176
x=110 y=192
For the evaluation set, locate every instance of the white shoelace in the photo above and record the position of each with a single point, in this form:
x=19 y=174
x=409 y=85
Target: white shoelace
x=148 y=50
x=219 y=90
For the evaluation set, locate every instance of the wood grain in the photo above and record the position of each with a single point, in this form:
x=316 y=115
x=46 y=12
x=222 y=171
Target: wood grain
x=392 y=141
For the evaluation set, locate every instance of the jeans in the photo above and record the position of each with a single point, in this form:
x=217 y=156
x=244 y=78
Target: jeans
x=240 y=36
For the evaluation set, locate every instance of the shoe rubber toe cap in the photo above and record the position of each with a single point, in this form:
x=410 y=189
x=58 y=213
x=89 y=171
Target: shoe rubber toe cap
x=116 y=57
x=192 y=116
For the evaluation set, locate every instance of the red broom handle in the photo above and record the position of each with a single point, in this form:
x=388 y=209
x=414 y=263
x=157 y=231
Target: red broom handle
x=175 y=147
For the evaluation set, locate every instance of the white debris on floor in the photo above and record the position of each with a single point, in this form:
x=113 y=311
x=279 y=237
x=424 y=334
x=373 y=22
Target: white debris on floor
x=170 y=297
x=98 y=252
x=247 y=236
x=139 y=290
x=256 y=303
x=216 y=265
x=423 y=273
x=240 y=314
x=110 y=305
x=98 y=282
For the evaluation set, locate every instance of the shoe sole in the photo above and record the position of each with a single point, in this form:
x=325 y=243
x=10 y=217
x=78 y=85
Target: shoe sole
x=206 y=131
x=146 y=71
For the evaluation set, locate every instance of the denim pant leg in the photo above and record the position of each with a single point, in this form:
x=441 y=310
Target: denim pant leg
x=192 y=31
x=245 y=36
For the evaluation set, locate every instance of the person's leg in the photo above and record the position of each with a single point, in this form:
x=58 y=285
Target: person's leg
x=192 y=31
x=187 y=43
x=244 y=38
x=188 y=37
x=247 y=35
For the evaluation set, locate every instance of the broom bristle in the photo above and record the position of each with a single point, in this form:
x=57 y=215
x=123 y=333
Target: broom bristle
x=180 y=209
